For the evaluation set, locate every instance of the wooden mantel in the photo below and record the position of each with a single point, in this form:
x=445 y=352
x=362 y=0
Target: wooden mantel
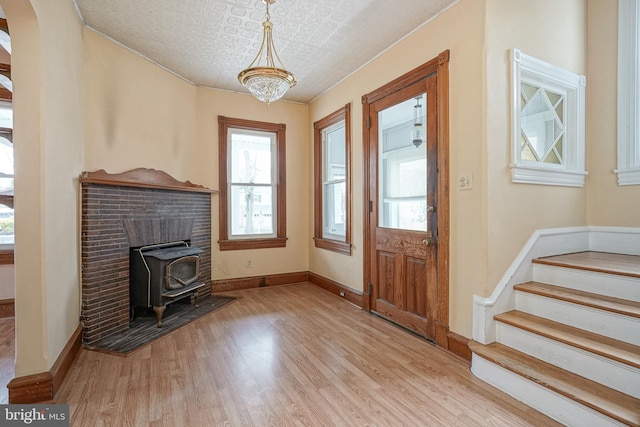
x=142 y=177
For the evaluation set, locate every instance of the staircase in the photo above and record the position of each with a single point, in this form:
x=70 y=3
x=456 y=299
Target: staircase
x=571 y=347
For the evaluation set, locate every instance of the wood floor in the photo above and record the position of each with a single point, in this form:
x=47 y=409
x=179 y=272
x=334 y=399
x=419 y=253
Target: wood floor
x=288 y=355
x=7 y=355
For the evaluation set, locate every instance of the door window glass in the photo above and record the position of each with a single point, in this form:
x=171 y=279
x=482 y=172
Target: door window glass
x=403 y=165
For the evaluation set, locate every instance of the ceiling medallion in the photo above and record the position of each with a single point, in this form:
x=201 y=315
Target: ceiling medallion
x=264 y=79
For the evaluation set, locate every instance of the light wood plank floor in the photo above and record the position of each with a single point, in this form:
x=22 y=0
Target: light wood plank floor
x=7 y=355
x=288 y=355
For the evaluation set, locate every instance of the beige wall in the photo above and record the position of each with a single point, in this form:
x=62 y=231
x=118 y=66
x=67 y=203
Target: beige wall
x=466 y=145
x=515 y=211
x=491 y=222
x=294 y=257
x=129 y=113
x=465 y=95
x=137 y=114
x=140 y=115
x=47 y=66
x=609 y=204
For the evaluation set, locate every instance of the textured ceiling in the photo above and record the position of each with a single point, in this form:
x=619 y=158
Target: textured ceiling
x=208 y=42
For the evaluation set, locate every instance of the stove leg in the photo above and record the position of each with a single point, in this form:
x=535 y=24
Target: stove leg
x=159 y=311
x=194 y=300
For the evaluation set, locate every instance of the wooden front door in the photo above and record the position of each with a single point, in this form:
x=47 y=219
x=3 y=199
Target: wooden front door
x=402 y=144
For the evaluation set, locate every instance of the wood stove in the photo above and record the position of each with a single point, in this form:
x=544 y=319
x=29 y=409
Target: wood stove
x=162 y=274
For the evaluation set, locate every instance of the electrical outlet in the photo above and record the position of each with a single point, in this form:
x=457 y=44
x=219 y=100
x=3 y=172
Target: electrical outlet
x=465 y=181
x=248 y=265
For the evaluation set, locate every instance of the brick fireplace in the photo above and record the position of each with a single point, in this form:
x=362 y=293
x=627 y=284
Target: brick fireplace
x=123 y=211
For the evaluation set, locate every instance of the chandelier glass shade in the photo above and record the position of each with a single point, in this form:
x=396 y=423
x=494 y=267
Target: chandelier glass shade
x=267 y=80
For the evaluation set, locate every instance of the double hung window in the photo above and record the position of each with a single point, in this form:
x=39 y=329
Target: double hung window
x=252 y=183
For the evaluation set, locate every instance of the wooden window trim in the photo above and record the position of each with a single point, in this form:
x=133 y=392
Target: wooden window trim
x=6 y=257
x=343 y=113
x=226 y=244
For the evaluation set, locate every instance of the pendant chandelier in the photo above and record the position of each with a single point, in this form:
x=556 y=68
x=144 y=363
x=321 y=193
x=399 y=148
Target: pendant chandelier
x=262 y=77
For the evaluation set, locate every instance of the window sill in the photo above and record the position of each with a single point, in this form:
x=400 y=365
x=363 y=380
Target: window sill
x=333 y=245
x=628 y=176
x=526 y=174
x=241 y=244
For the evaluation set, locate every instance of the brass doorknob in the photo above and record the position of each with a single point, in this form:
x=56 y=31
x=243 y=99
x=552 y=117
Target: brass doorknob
x=428 y=242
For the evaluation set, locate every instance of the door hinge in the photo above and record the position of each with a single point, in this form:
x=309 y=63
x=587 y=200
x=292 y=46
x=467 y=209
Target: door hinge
x=369 y=288
x=370 y=206
x=369 y=122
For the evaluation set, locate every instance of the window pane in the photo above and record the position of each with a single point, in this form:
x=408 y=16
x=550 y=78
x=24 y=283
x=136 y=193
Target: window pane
x=252 y=210
x=335 y=210
x=6 y=157
x=541 y=120
x=402 y=177
x=335 y=153
x=251 y=157
x=6 y=116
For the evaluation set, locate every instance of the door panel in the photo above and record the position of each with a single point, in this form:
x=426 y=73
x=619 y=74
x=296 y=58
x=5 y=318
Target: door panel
x=386 y=264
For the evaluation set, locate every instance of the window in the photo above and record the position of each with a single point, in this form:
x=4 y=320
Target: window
x=628 y=93
x=252 y=184
x=6 y=176
x=548 y=123
x=332 y=151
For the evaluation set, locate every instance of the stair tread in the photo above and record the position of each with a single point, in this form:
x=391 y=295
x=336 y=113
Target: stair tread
x=589 y=299
x=608 y=401
x=603 y=262
x=604 y=346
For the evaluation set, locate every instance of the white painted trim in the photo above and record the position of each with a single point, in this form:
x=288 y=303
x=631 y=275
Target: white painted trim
x=542 y=243
x=548 y=242
x=571 y=172
x=624 y=240
x=628 y=93
x=539 y=175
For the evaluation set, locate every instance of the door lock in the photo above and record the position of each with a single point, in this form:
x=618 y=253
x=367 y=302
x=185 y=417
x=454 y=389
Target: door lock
x=430 y=208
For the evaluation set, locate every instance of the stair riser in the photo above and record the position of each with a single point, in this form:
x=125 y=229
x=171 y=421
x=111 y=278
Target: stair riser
x=605 y=371
x=554 y=405
x=589 y=281
x=613 y=325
